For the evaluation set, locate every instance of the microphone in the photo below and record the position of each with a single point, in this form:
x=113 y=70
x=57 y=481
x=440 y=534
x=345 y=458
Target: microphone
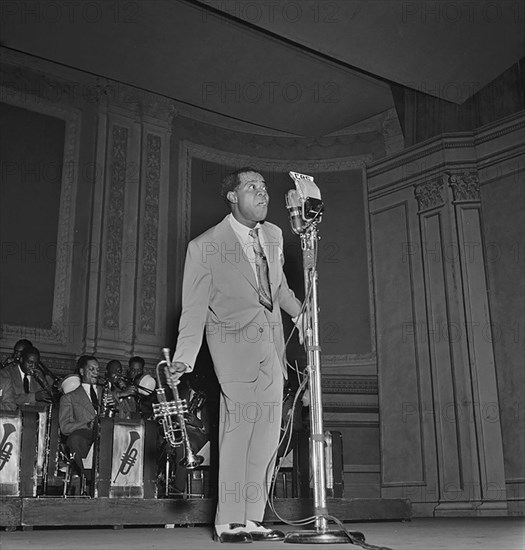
x=293 y=204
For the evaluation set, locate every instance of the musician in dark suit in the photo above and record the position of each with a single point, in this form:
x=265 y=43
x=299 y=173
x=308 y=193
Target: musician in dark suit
x=79 y=408
x=31 y=386
x=233 y=290
x=15 y=357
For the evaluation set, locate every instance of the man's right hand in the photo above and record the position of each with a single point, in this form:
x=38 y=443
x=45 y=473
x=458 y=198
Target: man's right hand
x=174 y=372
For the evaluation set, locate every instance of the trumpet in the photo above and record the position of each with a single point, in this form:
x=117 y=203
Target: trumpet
x=129 y=458
x=171 y=416
x=6 y=447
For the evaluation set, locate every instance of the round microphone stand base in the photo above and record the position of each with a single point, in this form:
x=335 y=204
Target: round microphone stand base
x=320 y=537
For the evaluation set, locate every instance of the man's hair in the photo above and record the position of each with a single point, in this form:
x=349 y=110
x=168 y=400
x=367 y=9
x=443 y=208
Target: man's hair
x=25 y=343
x=232 y=181
x=83 y=360
x=137 y=359
x=30 y=350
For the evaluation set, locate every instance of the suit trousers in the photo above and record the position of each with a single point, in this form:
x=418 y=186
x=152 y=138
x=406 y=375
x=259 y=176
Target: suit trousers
x=79 y=442
x=249 y=431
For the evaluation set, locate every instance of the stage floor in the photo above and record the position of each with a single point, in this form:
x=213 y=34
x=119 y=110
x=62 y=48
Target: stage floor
x=417 y=534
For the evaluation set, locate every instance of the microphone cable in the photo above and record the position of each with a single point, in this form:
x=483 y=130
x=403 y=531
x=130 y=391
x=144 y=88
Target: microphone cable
x=286 y=432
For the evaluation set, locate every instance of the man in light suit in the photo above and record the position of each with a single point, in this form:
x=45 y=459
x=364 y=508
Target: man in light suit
x=7 y=395
x=79 y=409
x=233 y=290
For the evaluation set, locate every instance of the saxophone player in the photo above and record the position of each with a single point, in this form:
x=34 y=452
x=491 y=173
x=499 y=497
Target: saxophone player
x=79 y=410
x=122 y=393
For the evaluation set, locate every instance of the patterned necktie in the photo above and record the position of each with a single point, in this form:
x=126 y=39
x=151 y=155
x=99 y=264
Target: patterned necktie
x=94 y=398
x=26 y=383
x=261 y=267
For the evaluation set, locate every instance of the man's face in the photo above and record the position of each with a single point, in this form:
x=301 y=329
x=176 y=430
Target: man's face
x=89 y=373
x=29 y=362
x=114 y=372
x=135 y=369
x=250 y=199
x=17 y=352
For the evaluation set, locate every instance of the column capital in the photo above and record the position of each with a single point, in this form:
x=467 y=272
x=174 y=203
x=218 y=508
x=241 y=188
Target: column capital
x=429 y=194
x=465 y=186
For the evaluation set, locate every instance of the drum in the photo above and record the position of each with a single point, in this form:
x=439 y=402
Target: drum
x=69 y=383
x=145 y=384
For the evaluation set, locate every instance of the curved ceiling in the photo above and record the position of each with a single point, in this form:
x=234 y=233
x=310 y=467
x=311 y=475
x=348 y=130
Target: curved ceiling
x=306 y=68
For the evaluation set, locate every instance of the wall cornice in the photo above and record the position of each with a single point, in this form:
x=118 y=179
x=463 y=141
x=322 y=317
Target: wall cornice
x=463 y=150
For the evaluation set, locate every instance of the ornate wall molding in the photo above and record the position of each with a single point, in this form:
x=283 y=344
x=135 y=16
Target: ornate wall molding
x=392 y=132
x=115 y=226
x=351 y=385
x=349 y=359
x=345 y=407
x=66 y=218
x=465 y=186
x=189 y=150
x=429 y=194
x=150 y=223
x=261 y=163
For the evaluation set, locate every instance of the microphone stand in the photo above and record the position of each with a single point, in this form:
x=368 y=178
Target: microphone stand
x=321 y=534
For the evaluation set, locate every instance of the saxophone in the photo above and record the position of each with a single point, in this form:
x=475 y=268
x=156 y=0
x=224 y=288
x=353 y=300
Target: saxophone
x=108 y=407
x=171 y=414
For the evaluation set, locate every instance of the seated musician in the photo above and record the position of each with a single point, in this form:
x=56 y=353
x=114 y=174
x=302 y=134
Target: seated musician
x=145 y=395
x=122 y=393
x=31 y=385
x=79 y=409
x=18 y=348
x=135 y=367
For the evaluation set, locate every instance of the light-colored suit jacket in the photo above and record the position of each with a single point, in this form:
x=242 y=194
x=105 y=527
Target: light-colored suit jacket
x=220 y=298
x=7 y=394
x=75 y=411
x=13 y=373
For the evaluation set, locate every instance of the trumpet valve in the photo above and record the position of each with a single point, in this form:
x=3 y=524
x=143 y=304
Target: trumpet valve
x=169 y=408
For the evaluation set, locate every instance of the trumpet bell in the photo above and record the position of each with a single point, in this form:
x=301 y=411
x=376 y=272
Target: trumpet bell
x=69 y=383
x=191 y=462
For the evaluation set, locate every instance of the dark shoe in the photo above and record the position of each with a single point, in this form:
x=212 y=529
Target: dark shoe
x=263 y=533
x=232 y=536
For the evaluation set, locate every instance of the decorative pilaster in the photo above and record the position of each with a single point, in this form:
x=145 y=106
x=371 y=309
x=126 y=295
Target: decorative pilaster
x=127 y=296
x=148 y=296
x=477 y=345
x=438 y=356
x=429 y=194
